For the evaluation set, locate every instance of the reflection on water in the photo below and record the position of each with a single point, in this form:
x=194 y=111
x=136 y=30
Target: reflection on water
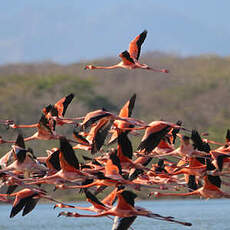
x=204 y=215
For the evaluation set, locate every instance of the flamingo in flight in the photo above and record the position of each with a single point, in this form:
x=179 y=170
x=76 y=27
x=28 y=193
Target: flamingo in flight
x=97 y=205
x=130 y=58
x=52 y=113
x=26 y=200
x=125 y=208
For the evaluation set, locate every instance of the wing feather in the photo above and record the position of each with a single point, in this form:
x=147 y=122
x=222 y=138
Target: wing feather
x=135 y=45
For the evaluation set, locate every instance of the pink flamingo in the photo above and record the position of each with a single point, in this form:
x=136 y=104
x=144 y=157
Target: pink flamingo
x=130 y=58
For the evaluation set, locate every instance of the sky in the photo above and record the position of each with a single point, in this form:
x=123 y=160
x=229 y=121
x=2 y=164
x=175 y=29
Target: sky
x=69 y=31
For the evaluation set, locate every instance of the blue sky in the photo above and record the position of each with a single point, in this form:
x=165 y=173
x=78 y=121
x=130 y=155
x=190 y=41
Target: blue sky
x=68 y=31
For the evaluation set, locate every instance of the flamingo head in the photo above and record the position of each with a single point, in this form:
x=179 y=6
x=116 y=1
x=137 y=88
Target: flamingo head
x=60 y=205
x=165 y=71
x=90 y=67
x=157 y=194
x=60 y=186
x=69 y=214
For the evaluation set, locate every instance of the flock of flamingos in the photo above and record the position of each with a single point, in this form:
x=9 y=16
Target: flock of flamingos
x=191 y=169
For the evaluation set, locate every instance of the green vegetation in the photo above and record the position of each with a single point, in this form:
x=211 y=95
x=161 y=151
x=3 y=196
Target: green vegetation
x=197 y=91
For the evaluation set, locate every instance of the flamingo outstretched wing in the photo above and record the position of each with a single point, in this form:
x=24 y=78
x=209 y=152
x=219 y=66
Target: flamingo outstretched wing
x=127 y=109
x=126 y=58
x=63 y=103
x=135 y=45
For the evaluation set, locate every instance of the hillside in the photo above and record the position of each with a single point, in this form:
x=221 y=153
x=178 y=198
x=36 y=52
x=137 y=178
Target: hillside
x=196 y=91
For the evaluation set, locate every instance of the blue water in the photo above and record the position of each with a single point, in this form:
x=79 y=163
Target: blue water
x=203 y=214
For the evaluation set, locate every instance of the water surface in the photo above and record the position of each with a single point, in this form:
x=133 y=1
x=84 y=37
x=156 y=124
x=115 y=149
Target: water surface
x=203 y=214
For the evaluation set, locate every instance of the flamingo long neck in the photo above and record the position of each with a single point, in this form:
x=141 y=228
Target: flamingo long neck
x=108 y=67
x=83 y=186
x=27 y=126
x=33 y=137
x=143 y=66
x=180 y=194
x=155 y=70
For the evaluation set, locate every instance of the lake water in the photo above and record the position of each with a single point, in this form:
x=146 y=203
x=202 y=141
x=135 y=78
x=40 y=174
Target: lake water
x=203 y=214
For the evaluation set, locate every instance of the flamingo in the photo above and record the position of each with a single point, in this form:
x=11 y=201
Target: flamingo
x=155 y=131
x=126 y=111
x=52 y=112
x=58 y=110
x=98 y=134
x=26 y=199
x=111 y=177
x=69 y=167
x=201 y=165
x=95 y=116
x=45 y=127
x=24 y=159
x=125 y=208
x=130 y=58
x=97 y=205
x=210 y=189
x=100 y=206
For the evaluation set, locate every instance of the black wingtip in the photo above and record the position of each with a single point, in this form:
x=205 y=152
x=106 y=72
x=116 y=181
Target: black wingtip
x=68 y=152
x=100 y=175
x=92 y=197
x=198 y=143
x=20 y=141
x=11 y=189
x=80 y=138
x=48 y=108
x=134 y=95
x=124 y=53
x=129 y=196
x=131 y=104
x=12 y=215
x=228 y=135
x=70 y=97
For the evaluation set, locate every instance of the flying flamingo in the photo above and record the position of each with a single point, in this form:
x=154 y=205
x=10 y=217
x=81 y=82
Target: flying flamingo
x=125 y=208
x=26 y=199
x=97 y=134
x=210 y=189
x=130 y=58
x=100 y=206
x=97 y=205
x=220 y=159
x=68 y=164
x=45 y=127
x=112 y=176
x=97 y=115
x=126 y=111
x=25 y=161
x=58 y=110
x=54 y=112
x=125 y=151
x=154 y=133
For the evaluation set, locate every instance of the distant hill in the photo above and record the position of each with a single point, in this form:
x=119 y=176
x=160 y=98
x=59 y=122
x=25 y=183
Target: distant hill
x=197 y=91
